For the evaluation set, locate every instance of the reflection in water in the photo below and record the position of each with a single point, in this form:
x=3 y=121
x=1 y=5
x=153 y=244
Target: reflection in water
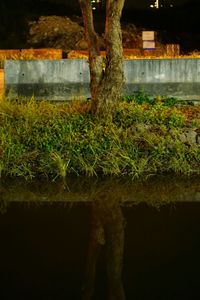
x=4 y=201
x=107 y=234
x=48 y=249
x=156 y=191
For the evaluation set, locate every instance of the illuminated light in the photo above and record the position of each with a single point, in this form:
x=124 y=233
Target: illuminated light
x=155 y=5
x=96 y=4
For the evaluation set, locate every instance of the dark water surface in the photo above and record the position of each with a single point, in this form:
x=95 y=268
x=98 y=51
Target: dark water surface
x=100 y=239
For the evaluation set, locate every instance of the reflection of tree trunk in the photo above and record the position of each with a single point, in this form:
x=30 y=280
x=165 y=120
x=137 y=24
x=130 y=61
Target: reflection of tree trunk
x=93 y=255
x=114 y=233
x=108 y=231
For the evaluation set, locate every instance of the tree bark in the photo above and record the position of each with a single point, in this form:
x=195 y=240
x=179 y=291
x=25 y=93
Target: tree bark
x=106 y=84
x=95 y=59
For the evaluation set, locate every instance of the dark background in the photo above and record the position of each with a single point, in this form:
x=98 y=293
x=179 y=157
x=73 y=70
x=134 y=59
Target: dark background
x=44 y=250
x=178 y=24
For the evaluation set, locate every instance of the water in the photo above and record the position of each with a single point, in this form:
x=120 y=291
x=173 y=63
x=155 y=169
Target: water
x=113 y=239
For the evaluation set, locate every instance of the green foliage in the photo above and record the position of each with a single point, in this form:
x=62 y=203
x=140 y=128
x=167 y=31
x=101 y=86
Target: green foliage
x=141 y=97
x=44 y=139
x=170 y=101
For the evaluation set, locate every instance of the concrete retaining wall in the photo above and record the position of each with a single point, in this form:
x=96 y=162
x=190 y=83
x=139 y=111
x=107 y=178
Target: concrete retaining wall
x=69 y=79
x=49 y=79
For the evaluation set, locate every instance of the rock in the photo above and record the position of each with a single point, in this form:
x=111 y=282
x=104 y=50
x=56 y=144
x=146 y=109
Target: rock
x=189 y=136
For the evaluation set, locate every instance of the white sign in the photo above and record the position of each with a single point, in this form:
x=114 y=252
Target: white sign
x=148 y=35
x=149 y=45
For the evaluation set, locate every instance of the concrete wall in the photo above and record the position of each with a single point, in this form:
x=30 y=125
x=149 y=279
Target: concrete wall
x=179 y=77
x=69 y=79
x=49 y=79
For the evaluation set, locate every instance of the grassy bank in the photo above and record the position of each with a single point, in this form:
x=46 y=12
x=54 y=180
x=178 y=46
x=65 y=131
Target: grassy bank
x=44 y=139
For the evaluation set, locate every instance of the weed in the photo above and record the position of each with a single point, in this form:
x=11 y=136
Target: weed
x=41 y=138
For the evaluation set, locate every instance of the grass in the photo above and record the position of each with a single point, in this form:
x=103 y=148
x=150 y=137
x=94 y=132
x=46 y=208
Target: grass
x=45 y=139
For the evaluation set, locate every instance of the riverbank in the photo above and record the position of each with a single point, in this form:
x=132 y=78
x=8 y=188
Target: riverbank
x=145 y=138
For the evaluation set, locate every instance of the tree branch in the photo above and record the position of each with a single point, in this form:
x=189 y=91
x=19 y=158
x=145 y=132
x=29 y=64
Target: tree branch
x=91 y=36
x=95 y=59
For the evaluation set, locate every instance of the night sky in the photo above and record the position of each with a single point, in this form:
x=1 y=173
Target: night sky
x=182 y=18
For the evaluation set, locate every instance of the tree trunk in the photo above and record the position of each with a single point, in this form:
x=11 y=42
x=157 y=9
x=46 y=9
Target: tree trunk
x=106 y=85
x=95 y=59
